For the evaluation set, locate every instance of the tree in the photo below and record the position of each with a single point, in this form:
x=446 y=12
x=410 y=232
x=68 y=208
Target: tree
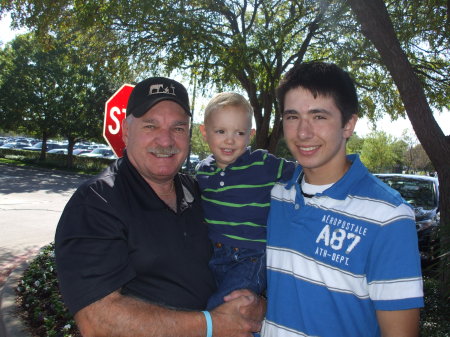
x=411 y=141
x=62 y=90
x=198 y=144
x=227 y=44
x=28 y=88
x=377 y=26
x=355 y=144
x=88 y=83
x=421 y=162
x=378 y=152
x=399 y=148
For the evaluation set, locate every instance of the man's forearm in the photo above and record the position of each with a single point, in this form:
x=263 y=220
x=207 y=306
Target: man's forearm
x=121 y=316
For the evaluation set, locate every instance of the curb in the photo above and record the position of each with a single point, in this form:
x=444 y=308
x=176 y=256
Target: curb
x=12 y=323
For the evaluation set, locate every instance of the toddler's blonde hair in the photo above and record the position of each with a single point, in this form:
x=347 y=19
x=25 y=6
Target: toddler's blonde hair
x=224 y=99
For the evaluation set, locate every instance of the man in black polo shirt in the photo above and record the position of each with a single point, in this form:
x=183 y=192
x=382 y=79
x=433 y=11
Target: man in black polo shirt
x=132 y=250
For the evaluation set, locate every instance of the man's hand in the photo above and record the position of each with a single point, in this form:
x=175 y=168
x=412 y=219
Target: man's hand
x=256 y=310
x=239 y=316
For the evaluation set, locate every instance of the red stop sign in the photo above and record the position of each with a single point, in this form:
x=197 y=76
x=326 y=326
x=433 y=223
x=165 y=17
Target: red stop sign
x=115 y=112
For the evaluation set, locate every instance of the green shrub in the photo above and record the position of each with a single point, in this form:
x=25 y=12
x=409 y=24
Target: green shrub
x=435 y=316
x=40 y=300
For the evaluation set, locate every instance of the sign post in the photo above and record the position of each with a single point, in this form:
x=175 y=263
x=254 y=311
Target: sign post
x=115 y=112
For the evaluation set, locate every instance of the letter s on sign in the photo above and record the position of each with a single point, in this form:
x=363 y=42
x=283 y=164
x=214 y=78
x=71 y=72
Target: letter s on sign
x=112 y=114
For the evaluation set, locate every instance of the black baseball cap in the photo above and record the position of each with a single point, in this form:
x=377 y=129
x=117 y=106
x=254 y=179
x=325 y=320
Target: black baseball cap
x=154 y=90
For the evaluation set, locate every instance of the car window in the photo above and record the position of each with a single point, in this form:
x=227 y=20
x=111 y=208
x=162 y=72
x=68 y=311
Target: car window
x=419 y=193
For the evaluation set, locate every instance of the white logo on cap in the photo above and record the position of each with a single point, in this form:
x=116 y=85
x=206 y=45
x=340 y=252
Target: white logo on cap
x=161 y=89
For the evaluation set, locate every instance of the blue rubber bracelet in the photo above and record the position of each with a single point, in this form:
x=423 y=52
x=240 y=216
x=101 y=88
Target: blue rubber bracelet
x=209 y=326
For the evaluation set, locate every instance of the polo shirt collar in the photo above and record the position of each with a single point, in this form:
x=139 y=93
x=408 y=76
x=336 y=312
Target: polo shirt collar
x=340 y=188
x=243 y=158
x=146 y=196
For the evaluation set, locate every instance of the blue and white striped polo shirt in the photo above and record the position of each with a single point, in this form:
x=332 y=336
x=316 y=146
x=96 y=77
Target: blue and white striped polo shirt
x=336 y=258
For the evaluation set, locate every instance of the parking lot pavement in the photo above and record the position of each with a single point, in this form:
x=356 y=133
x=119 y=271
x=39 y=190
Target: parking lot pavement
x=31 y=202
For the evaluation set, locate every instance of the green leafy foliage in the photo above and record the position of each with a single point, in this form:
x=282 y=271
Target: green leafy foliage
x=435 y=316
x=198 y=144
x=40 y=299
x=355 y=144
x=51 y=88
x=380 y=152
x=28 y=88
x=229 y=44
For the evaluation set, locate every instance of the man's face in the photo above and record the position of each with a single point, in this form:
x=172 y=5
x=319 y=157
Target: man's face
x=227 y=132
x=157 y=143
x=315 y=136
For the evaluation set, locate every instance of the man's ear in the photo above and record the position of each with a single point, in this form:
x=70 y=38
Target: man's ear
x=125 y=131
x=350 y=126
x=203 y=130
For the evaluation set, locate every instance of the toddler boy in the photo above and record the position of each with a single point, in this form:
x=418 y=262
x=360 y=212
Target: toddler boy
x=235 y=185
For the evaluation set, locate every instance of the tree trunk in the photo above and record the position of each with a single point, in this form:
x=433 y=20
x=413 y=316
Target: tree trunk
x=70 y=146
x=377 y=27
x=262 y=132
x=42 y=156
x=263 y=114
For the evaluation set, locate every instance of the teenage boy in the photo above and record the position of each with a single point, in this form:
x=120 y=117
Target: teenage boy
x=342 y=254
x=235 y=185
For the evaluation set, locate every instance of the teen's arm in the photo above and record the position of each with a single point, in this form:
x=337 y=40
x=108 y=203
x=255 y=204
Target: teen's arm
x=401 y=323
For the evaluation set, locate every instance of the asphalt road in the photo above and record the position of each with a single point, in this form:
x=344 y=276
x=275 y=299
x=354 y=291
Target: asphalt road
x=31 y=202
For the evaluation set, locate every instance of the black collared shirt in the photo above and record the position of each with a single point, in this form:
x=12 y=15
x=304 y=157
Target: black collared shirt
x=115 y=233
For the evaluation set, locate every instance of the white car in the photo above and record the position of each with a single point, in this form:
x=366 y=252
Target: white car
x=58 y=151
x=100 y=153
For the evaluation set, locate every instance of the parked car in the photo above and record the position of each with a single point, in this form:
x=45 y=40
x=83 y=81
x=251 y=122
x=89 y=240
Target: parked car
x=79 y=151
x=193 y=162
x=58 y=151
x=422 y=193
x=82 y=146
x=13 y=146
x=50 y=146
x=100 y=153
x=24 y=141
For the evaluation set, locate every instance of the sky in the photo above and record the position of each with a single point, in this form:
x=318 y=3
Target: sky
x=363 y=127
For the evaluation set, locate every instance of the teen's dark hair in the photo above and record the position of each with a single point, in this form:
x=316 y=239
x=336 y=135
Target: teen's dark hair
x=325 y=79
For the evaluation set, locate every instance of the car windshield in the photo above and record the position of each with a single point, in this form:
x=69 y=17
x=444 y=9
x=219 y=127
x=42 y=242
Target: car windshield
x=419 y=193
x=102 y=152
